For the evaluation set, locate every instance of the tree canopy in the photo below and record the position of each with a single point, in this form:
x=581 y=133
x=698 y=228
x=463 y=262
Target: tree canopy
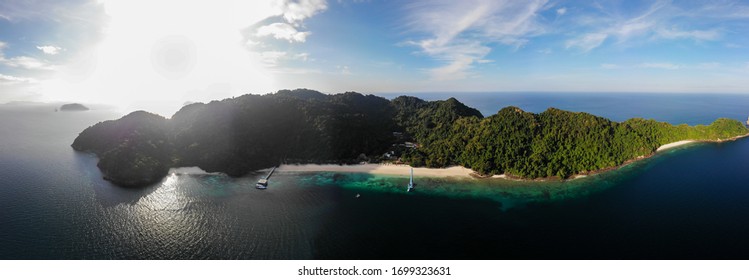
x=553 y=143
x=250 y=132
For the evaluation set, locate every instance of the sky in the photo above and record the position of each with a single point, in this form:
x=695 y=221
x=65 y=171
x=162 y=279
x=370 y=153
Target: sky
x=168 y=51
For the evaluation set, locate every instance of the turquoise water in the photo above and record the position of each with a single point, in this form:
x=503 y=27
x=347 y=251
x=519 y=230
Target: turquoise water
x=506 y=193
x=684 y=203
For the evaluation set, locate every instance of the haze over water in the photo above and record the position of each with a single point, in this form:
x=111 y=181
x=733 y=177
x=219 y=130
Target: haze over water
x=689 y=202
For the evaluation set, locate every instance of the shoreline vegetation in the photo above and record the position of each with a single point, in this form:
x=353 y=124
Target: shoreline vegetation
x=460 y=171
x=237 y=135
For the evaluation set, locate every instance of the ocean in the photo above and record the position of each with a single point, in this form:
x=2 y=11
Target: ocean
x=688 y=202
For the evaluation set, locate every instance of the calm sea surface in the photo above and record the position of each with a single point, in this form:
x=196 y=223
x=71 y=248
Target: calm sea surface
x=690 y=202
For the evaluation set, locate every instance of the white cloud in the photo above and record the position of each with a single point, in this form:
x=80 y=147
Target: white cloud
x=354 y=1
x=19 y=88
x=302 y=56
x=459 y=33
x=57 y=11
x=587 y=42
x=7 y=80
x=456 y=70
x=50 y=50
x=282 y=31
x=460 y=55
x=344 y=69
x=290 y=28
x=27 y=63
x=630 y=29
x=698 y=35
x=665 y=66
x=16 y=88
x=723 y=10
x=620 y=29
x=649 y=24
x=561 y=11
x=295 y=12
x=74 y=23
x=271 y=58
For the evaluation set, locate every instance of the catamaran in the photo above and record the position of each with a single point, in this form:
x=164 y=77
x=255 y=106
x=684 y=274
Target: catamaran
x=411 y=183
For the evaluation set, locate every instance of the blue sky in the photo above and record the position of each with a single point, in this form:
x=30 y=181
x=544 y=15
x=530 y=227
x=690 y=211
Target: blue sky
x=176 y=51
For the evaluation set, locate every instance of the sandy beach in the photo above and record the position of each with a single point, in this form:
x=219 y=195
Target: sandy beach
x=674 y=144
x=402 y=169
x=190 y=170
x=382 y=169
x=684 y=142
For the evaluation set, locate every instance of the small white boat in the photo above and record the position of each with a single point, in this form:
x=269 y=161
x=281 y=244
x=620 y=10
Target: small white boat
x=411 y=183
x=358 y=195
x=262 y=184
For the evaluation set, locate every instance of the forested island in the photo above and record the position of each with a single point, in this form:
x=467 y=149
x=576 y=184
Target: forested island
x=73 y=107
x=250 y=132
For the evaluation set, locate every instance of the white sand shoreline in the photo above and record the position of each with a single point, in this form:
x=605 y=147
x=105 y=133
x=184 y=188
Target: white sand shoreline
x=191 y=170
x=404 y=170
x=381 y=169
x=454 y=171
x=684 y=142
x=674 y=144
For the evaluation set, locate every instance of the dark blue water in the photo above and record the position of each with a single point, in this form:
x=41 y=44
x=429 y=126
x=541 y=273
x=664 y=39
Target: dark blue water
x=686 y=203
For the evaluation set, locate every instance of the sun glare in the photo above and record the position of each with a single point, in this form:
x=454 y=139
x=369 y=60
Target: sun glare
x=167 y=51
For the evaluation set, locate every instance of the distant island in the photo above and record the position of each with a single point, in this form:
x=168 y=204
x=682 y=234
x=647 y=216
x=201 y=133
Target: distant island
x=251 y=132
x=73 y=107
